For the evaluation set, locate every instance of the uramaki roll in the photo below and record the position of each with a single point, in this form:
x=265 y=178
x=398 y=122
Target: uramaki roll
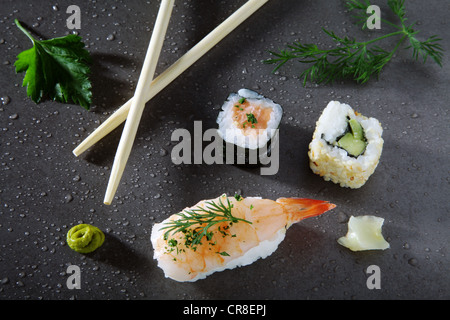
x=346 y=146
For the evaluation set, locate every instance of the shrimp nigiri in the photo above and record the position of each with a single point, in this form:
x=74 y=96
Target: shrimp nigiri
x=225 y=233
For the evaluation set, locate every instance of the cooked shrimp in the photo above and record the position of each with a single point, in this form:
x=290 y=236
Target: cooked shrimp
x=225 y=233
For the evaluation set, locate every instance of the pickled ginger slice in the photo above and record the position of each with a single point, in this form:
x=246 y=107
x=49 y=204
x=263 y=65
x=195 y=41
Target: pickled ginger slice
x=364 y=233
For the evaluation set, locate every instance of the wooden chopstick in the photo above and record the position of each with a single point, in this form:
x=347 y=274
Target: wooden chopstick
x=138 y=101
x=165 y=78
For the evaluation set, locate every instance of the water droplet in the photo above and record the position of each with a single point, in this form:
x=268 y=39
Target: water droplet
x=412 y=262
x=111 y=37
x=163 y=152
x=14 y=116
x=5 y=100
x=342 y=217
x=68 y=198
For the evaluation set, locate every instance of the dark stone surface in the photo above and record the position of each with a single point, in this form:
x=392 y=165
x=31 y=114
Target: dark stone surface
x=44 y=189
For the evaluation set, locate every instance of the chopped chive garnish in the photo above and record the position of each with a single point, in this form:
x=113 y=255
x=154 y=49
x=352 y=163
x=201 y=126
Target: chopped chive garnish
x=251 y=118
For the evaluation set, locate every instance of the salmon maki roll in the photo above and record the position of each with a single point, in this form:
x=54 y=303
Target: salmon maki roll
x=248 y=124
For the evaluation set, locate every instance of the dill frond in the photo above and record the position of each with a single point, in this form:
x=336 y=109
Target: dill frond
x=353 y=59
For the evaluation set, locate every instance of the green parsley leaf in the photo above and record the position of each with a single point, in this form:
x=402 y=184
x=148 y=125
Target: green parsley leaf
x=57 y=68
x=224 y=253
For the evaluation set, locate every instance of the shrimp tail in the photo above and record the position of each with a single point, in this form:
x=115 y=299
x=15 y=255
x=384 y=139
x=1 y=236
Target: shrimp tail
x=300 y=208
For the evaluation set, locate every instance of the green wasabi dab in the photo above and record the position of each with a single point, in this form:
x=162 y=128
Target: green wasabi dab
x=85 y=238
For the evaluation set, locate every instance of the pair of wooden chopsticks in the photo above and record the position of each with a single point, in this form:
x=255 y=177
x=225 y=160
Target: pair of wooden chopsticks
x=138 y=101
x=132 y=110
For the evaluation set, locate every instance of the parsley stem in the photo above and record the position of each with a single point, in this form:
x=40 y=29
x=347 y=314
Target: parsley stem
x=24 y=31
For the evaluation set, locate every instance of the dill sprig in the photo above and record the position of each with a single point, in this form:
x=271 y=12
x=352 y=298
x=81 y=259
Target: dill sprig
x=196 y=222
x=358 y=60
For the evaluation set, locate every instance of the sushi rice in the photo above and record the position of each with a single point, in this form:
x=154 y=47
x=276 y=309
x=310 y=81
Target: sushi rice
x=334 y=163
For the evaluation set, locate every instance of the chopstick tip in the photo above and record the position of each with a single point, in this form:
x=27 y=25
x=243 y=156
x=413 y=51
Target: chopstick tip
x=75 y=152
x=109 y=196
